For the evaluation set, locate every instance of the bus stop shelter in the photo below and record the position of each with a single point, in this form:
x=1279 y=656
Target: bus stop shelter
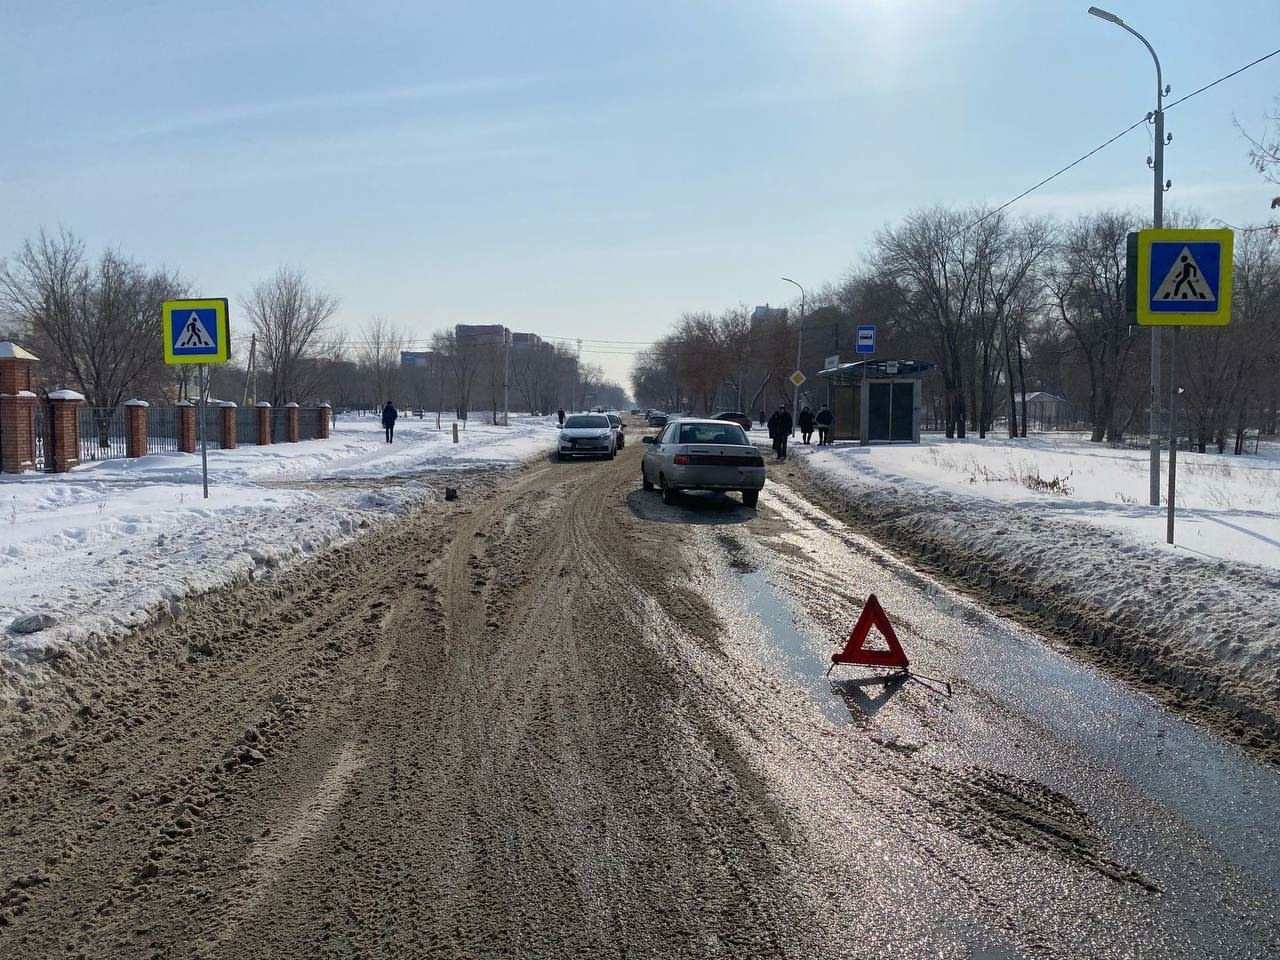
x=876 y=401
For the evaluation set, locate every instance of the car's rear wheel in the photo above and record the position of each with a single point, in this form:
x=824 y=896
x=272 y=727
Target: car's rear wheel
x=668 y=493
x=644 y=479
x=750 y=498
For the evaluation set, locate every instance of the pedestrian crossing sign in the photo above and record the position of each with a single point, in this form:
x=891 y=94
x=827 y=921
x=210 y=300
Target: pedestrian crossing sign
x=196 y=331
x=1184 y=277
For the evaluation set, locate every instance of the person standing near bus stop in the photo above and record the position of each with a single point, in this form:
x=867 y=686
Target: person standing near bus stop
x=824 y=420
x=780 y=430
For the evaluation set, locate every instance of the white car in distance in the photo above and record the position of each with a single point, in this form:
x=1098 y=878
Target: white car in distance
x=587 y=435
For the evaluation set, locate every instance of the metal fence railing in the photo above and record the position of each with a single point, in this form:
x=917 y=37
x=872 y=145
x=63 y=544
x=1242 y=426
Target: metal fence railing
x=246 y=425
x=212 y=425
x=102 y=433
x=279 y=424
x=38 y=440
x=162 y=430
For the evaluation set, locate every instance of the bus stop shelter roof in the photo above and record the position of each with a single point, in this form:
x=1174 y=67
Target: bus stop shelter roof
x=848 y=374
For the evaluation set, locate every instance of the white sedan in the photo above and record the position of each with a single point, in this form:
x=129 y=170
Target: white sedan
x=587 y=435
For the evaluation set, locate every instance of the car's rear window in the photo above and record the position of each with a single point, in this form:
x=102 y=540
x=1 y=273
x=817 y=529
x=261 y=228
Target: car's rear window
x=712 y=433
x=582 y=423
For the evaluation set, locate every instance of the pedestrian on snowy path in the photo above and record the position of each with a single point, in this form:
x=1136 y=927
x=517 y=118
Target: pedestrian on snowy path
x=389 y=415
x=780 y=430
x=560 y=416
x=824 y=420
x=806 y=424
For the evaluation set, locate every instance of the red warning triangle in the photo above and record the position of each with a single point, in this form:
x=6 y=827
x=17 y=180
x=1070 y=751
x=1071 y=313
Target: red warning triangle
x=872 y=613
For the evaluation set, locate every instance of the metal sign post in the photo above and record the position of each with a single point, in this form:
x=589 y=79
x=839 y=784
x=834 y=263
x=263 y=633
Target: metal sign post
x=204 y=444
x=1173 y=431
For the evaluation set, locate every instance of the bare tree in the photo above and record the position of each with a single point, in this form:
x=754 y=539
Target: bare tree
x=1264 y=151
x=378 y=354
x=95 y=325
x=1086 y=287
x=937 y=258
x=290 y=319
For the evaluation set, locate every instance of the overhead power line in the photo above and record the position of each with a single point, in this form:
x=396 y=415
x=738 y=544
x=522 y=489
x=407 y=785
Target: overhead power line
x=1106 y=143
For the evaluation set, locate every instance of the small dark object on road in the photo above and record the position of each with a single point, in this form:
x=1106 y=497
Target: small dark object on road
x=451 y=493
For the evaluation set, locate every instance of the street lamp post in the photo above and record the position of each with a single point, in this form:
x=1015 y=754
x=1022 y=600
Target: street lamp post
x=1153 y=426
x=795 y=403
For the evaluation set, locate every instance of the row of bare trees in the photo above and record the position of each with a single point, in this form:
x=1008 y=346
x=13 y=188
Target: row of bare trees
x=738 y=359
x=95 y=323
x=1004 y=306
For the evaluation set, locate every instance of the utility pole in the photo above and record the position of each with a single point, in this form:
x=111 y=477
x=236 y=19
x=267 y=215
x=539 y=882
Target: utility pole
x=506 y=377
x=1160 y=185
x=248 y=374
x=795 y=405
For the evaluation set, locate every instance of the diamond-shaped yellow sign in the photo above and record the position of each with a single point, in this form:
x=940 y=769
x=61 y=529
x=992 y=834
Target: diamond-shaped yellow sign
x=798 y=378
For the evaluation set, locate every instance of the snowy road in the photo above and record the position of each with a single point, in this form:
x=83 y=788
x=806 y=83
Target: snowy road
x=560 y=719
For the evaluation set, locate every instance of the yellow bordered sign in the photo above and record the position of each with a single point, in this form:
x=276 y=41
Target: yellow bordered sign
x=1184 y=277
x=196 y=331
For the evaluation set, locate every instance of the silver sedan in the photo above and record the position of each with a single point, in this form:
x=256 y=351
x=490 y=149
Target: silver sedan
x=691 y=454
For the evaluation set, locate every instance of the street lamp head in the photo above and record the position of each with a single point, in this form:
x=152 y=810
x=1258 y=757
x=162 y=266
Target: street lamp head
x=1105 y=15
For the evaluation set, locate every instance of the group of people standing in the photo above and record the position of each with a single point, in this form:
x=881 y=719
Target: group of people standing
x=780 y=426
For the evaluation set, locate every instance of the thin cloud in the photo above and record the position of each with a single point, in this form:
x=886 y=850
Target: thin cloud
x=239 y=113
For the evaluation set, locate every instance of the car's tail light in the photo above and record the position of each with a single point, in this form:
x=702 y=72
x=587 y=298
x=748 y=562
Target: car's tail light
x=681 y=459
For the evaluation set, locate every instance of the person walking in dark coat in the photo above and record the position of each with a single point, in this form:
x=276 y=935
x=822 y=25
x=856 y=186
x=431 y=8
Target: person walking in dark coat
x=805 y=422
x=389 y=415
x=560 y=416
x=825 y=420
x=780 y=430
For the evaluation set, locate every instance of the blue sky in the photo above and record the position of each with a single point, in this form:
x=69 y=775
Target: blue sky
x=592 y=169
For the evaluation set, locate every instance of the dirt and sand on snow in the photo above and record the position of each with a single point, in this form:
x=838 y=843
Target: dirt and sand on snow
x=516 y=725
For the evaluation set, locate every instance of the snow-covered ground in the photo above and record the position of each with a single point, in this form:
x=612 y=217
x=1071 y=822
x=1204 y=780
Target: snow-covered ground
x=105 y=547
x=1063 y=526
x=1228 y=507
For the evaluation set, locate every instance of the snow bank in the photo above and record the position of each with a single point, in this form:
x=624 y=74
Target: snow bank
x=110 y=546
x=1228 y=507
x=1060 y=525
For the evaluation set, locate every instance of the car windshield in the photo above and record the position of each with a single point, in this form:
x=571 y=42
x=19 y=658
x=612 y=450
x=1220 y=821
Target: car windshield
x=615 y=419
x=712 y=433
x=586 y=423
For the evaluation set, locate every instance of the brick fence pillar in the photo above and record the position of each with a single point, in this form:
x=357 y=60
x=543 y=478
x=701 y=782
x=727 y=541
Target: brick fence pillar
x=264 y=422
x=187 y=426
x=135 y=428
x=62 y=431
x=227 y=424
x=17 y=431
x=324 y=418
x=292 y=426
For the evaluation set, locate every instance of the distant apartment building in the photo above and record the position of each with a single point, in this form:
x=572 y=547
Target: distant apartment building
x=766 y=313
x=480 y=332
x=526 y=341
x=417 y=358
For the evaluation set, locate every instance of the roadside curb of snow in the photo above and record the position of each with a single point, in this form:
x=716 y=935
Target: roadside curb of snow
x=45 y=675
x=63 y=653
x=1133 y=608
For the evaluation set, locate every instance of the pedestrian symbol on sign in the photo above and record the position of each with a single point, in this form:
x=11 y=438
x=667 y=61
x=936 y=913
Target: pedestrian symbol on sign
x=1185 y=281
x=195 y=335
